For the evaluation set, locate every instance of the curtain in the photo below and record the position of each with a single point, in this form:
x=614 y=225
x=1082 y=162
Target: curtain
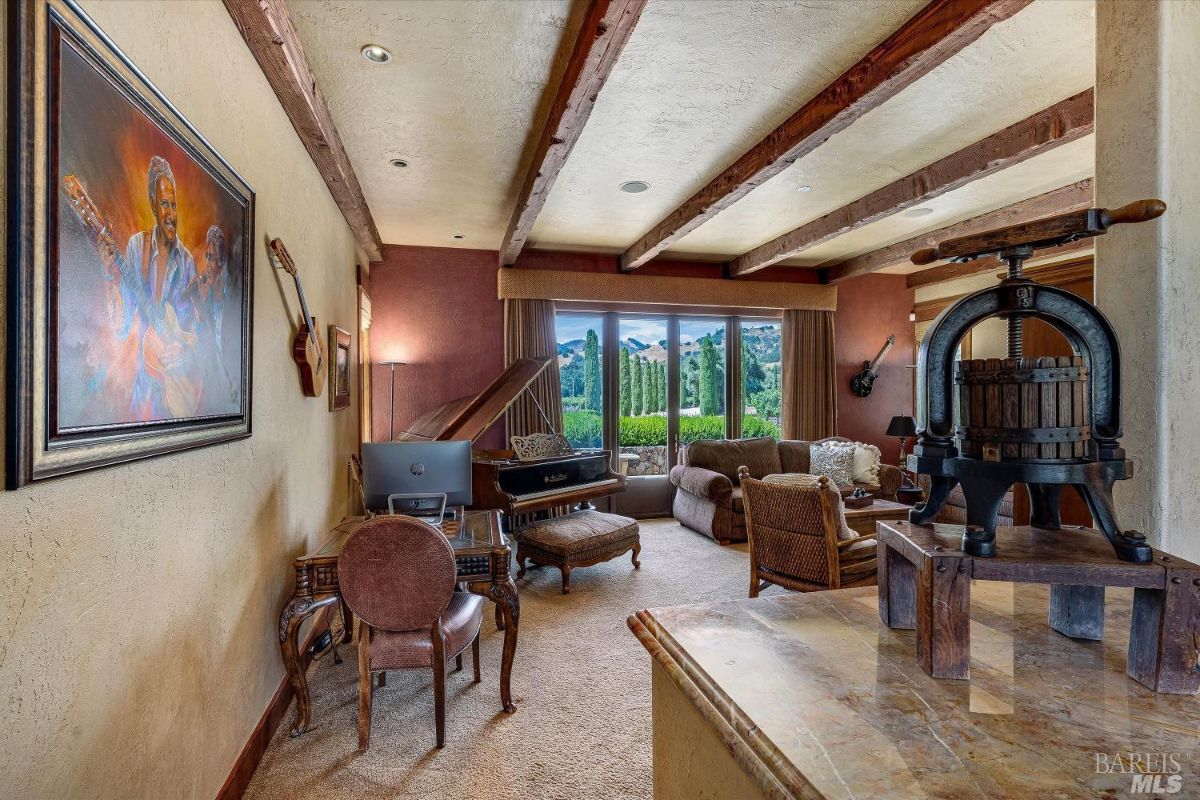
x=529 y=332
x=809 y=405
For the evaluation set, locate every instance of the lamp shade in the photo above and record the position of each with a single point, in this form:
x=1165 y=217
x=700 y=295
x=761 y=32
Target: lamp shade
x=902 y=426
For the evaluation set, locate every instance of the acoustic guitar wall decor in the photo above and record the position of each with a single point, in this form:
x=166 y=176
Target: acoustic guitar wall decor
x=308 y=350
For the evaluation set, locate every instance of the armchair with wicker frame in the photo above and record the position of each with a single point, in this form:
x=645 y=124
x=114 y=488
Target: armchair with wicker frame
x=798 y=535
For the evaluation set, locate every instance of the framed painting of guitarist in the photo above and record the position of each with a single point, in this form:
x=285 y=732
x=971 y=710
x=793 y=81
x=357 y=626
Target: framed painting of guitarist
x=130 y=305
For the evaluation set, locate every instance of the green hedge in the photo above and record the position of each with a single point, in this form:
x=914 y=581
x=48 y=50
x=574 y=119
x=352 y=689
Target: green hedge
x=753 y=427
x=583 y=429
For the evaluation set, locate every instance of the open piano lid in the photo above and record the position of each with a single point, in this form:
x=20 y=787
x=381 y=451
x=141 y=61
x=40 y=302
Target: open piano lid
x=469 y=417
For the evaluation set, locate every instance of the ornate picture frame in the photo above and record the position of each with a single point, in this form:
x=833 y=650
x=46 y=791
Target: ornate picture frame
x=339 y=369
x=130 y=261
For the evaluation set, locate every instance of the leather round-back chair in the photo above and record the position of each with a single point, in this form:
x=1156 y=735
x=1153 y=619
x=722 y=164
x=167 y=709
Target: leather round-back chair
x=397 y=574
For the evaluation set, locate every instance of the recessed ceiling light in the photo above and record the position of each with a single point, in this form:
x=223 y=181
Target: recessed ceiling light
x=634 y=187
x=918 y=212
x=460 y=236
x=804 y=188
x=376 y=54
x=398 y=162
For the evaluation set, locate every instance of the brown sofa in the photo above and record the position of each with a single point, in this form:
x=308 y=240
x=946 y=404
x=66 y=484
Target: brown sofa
x=708 y=498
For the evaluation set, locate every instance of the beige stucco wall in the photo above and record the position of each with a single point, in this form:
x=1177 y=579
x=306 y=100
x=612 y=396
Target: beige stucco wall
x=139 y=603
x=1147 y=281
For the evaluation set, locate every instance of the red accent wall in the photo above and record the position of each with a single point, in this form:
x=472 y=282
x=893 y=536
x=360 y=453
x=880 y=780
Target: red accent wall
x=436 y=308
x=870 y=308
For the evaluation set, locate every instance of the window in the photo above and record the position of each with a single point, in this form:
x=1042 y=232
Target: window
x=642 y=367
x=762 y=378
x=701 y=379
x=643 y=356
x=580 y=356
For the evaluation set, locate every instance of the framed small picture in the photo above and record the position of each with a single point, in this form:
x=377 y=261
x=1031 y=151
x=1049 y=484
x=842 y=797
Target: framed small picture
x=131 y=244
x=339 y=376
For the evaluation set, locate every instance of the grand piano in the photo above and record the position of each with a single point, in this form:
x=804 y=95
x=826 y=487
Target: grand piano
x=501 y=481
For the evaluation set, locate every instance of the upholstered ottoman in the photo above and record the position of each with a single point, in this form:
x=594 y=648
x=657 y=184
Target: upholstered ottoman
x=579 y=539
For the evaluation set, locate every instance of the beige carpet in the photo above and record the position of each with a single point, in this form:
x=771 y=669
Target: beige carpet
x=581 y=682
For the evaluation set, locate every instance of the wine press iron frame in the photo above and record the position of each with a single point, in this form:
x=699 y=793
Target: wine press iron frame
x=986 y=479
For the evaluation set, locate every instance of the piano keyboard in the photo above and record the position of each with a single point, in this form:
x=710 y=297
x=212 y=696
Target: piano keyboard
x=521 y=498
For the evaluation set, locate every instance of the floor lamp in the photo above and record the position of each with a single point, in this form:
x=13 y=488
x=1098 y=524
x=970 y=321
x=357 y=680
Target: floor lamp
x=392 y=395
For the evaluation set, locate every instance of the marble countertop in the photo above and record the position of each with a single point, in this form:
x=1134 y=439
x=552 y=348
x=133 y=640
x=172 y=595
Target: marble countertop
x=816 y=697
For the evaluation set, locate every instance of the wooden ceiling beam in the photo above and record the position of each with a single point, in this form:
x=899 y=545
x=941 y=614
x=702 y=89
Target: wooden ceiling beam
x=955 y=270
x=1072 y=197
x=1052 y=127
x=271 y=35
x=606 y=28
x=937 y=32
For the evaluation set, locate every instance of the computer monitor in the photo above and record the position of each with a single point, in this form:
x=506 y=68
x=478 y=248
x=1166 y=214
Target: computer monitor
x=422 y=471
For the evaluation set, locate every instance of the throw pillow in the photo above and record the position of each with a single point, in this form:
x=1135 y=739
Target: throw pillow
x=866 y=463
x=834 y=460
x=845 y=533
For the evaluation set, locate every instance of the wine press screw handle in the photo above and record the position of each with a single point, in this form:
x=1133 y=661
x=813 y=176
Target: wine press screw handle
x=1137 y=211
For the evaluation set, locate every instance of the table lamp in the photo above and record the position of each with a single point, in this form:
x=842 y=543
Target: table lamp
x=392 y=396
x=903 y=428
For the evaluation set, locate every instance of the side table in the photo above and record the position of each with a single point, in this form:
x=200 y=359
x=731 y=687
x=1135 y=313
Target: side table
x=925 y=584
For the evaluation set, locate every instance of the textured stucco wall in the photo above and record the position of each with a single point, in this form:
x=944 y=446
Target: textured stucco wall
x=1147 y=112
x=139 y=604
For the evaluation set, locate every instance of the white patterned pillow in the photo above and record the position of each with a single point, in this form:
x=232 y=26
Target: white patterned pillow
x=866 y=464
x=835 y=460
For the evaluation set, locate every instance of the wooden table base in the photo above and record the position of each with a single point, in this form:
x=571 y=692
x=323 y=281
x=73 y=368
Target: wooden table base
x=925 y=584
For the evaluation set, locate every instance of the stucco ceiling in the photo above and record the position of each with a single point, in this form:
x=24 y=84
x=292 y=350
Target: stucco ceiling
x=699 y=82
x=458 y=102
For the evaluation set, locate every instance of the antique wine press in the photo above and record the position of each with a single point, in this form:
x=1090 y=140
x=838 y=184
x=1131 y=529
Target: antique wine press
x=1045 y=422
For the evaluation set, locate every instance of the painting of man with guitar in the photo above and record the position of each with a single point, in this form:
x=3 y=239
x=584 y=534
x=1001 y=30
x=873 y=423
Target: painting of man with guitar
x=130 y=262
x=149 y=321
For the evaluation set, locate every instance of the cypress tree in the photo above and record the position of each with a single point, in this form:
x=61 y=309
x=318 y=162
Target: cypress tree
x=647 y=387
x=662 y=386
x=635 y=386
x=625 y=392
x=591 y=372
x=708 y=373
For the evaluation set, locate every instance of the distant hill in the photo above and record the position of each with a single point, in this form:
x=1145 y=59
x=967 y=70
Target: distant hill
x=763 y=341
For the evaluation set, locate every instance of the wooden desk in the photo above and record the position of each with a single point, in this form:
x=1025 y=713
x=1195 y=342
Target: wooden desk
x=863 y=519
x=483 y=555
x=812 y=696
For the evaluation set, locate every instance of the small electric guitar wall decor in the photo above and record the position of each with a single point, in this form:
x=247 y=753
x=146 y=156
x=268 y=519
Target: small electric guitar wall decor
x=308 y=350
x=862 y=383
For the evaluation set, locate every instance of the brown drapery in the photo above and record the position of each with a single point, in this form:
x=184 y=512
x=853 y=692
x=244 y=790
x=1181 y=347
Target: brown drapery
x=529 y=332
x=809 y=405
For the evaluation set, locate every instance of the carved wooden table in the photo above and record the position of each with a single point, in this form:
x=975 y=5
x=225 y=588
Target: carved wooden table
x=482 y=553
x=925 y=584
